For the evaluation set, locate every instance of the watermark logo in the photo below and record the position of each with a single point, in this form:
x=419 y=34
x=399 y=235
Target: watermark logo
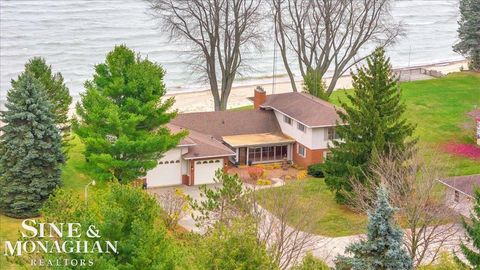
x=59 y=238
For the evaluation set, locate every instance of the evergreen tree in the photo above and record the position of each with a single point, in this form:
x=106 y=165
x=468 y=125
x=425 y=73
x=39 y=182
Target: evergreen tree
x=314 y=84
x=120 y=213
x=123 y=117
x=375 y=125
x=30 y=149
x=472 y=231
x=233 y=246
x=469 y=32
x=56 y=90
x=382 y=250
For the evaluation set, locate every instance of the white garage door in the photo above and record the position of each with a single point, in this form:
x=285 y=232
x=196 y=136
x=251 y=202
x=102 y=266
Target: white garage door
x=205 y=170
x=167 y=173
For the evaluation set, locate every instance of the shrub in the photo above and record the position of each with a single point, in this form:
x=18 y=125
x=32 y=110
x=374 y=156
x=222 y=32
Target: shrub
x=175 y=206
x=255 y=173
x=301 y=174
x=445 y=262
x=264 y=182
x=316 y=170
x=309 y=262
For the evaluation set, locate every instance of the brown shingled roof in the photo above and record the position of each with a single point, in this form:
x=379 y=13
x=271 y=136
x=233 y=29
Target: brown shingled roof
x=305 y=108
x=227 y=123
x=201 y=145
x=185 y=141
x=465 y=184
x=206 y=146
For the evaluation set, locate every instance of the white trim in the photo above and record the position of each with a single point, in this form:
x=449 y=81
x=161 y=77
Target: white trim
x=186 y=145
x=204 y=157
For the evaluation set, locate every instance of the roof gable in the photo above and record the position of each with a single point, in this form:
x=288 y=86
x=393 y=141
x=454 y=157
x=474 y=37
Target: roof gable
x=307 y=109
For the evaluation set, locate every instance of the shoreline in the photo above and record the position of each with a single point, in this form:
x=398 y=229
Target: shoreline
x=201 y=100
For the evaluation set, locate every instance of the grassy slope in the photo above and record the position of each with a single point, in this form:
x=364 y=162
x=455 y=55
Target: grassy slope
x=72 y=177
x=439 y=108
x=313 y=197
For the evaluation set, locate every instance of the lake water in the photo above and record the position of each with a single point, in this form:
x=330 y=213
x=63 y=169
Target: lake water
x=74 y=35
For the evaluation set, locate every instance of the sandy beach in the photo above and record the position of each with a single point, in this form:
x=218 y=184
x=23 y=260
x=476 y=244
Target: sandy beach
x=203 y=101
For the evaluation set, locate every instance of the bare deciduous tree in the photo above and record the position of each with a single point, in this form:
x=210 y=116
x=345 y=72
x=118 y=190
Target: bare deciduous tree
x=287 y=241
x=329 y=34
x=217 y=31
x=175 y=205
x=430 y=226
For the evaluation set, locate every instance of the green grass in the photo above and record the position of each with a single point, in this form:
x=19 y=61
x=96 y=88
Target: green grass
x=438 y=107
x=243 y=108
x=312 y=196
x=73 y=178
x=9 y=231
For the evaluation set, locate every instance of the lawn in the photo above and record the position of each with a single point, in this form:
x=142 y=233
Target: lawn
x=438 y=107
x=312 y=196
x=72 y=177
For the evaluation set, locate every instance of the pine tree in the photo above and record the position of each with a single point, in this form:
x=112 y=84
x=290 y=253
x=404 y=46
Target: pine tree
x=314 y=84
x=469 y=32
x=382 y=250
x=472 y=231
x=30 y=149
x=56 y=90
x=375 y=125
x=123 y=117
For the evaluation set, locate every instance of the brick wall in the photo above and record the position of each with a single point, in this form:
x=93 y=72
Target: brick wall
x=311 y=156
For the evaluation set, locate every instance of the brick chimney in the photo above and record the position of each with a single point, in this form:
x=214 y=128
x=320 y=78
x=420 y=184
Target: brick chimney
x=259 y=97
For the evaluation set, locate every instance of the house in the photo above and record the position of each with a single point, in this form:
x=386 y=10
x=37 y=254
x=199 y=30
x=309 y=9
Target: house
x=460 y=192
x=293 y=126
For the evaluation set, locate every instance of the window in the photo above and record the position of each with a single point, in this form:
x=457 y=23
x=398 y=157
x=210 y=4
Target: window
x=457 y=196
x=255 y=154
x=326 y=154
x=287 y=119
x=301 y=127
x=301 y=150
x=268 y=153
x=281 y=152
x=331 y=134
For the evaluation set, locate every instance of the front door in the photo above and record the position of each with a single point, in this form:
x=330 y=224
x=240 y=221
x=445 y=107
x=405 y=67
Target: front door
x=242 y=155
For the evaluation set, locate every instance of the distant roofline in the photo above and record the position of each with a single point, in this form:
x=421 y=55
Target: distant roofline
x=456 y=189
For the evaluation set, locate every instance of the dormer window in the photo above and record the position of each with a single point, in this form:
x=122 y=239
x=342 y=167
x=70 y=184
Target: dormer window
x=287 y=119
x=301 y=127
